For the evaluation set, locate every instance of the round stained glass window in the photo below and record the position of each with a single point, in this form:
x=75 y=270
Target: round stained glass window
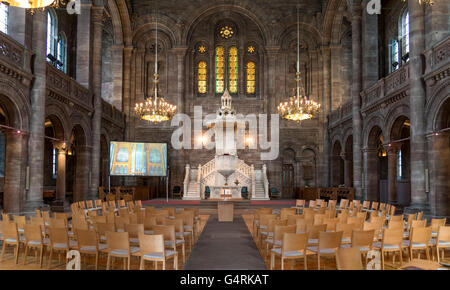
x=226 y=32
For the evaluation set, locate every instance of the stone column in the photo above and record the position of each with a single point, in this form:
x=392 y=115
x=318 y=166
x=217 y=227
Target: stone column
x=356 y=100
x=347 y=166
x=326 y=179
x=61 y=178
x=97 y=15
x=392 y=173
x=127 y=54
x=83 y=59
x=370 y=69
x=371 y=174
x=37 y=98
x=118 y=73
x=417 y=102
x=181 y=57
x=15 y=163
x=81 y=184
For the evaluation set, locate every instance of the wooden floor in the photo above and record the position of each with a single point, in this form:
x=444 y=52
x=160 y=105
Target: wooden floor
x=8 y=262
x=327 y=263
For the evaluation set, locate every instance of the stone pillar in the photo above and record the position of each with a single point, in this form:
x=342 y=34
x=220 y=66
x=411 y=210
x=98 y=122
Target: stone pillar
x=392 y=173
x=16 y=24
x=118 y=63
x=61 y=178
x=37 y=98
x=127 y=54
x=326 y=112
x=371 y=177
x=356 y=99
x=97 y=15
x=417 y=102
x=370 y=69
x=83 y=59
x=81 y=184
x=15 y=172
x=181 y=57
x=347 y=168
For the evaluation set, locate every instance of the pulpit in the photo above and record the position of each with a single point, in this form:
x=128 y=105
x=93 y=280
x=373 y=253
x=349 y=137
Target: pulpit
x=226 y=211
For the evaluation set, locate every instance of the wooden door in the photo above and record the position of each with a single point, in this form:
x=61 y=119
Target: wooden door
x=288 y=181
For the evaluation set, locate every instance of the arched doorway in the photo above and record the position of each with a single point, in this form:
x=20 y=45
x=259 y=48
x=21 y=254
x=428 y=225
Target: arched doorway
x=337 y=165
x=439 y=160
x=399 y=170
x=376 y=166
x=349 y=162
x=288 y=174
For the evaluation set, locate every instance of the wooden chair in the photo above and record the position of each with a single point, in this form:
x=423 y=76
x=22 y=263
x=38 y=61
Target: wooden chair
x=363 y=240
x=59 y=242
x=435 y=224
x=410 y=217
x=149 y=222
x=359 y=222
x=89 y=204
x=396 y=218
x=328 y=244
x=276 y=240
x=111 y=197
x=347 y=230
x=392 y=242
x=121 y=203
x=293 y=247
x=362 y=214
x=377 y=227
x=98 y=203
x=331 y=223
x=292 y=219
x=58 y=223
x=313 y=233
x=11 y=237
x=396 y=224
x=123 y=212
x=302 y=225
x=285 y=212
x=88 y=244
x=118 y=246
x=299 y=204
x=419 y=240
x=366 y=205
x=98 y=219
x=120 y=222
x=172 y=211
x=38 y=212
x=34 y=240
x=102 y=229
x=420 y=215
x=188 y=224
x=133 y=231
x=82 y=205
x=20 y=221
x=318 y=219
x=179 y=232
x=138 y=203
x=170 y=240
x=263 y=225
x=152 y=249
x=374 y=205
x=349 y=259
x=442 y=241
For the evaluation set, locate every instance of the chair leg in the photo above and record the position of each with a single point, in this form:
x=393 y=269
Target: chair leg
x=175 y=261
x=382 y=260
x=318 y=261
x=50 y=258
x=96 y=261
x=4 y=248
x=437 y=253
x=17 y=253
x=41 y=258
x=164 y=265
x=282 y=263
x=401 y=258
x=129 y=263
x=108 y=261
x=305 y=262
x=272 y=261
x=184 y=254
x=141 y=264
x=25 y=255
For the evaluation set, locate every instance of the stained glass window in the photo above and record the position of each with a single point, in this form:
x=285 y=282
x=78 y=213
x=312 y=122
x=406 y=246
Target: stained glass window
x=201 y=77
x=220 y=70
x=233 y=70
x=405 y=32
x=62 y=52
x=251 y=77
x=52 y=34
x=4 y=18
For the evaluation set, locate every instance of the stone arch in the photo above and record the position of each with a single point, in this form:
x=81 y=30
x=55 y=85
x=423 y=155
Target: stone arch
x=15 y=104
x=375 y=121
x=437 y=100
x=337 y=165
x=332 y=11
x=401 y=110
x=85 y=133
x=59 y=118
x=309 y=166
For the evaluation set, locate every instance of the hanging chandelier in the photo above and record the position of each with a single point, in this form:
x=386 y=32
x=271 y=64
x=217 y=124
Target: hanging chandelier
x=155 y=109
x=35 y=4
x=424 y=2
x=299 y=107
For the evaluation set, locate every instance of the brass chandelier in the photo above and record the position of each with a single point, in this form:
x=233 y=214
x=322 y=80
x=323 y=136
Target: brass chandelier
x=424 y=2
x=155 y=109
x=299 y=107
x=35 y=4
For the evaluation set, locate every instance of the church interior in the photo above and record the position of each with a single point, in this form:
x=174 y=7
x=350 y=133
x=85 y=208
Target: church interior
x=145 y=134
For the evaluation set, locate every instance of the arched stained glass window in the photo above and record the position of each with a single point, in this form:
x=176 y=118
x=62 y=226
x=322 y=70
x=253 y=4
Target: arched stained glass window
x=220 y=69
x=251 y=77
x=4 y=18
x=202 y=77
x=52 y=35
x=62 y=53
x=233 y=70
x=404 y=32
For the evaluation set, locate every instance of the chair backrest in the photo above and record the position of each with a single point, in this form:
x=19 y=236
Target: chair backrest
x=286 y=211
x=120 y=221
x=168 y=232
x=33 y=232
x=58 y=223
x=123 y=212
x=172 y=210
x=80 y=224
x=58 y=235
x=376 y=219
x=374 y=205
x=392 y=210
x=302 y=225
x=89 y=204
x=366 y=204
x=92 y=213
x=60 y=215
x=396 y=224
x=331 y=212
x=275 y=222
x=343 y=203
x=349 y=259
x=356 y=220
x=6 y=217
x=420 y=215
x=292 y=219
x=362 y=214
x=280 y=230
x=38 y=213
x=9 y=230
x=418 y=223
x=332 y=203
x=382 y=206
x=138 y=203
x=37 y=221
x=81 y=204
x=265 y=218
x=443 y=234
x=321 y=210
x=436 y=223
x=330 y=240
x=300 y=203
x=86 y=238
x=118 y=240
x=363 y=238
x=121 y=203
x=98 y=219
x=134 y=229
x=421 y=235
x=376 y=226
x=318 y=219
x=21 y=221
x=151 y=243
x=392 y=236
x=346 y=229
x=149 y=222
x=98 y=203
x=331 y=223
x=312 y=203
x=102 y=228
x=411 y=217
x=313 y=231
x=177 y=223
x=396 y=218
x=294 y=242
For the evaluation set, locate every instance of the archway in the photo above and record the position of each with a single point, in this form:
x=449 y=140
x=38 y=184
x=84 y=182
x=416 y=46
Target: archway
x=104 y=161
x=439 y=160
x=376 y=166
x=348 y=163
x=337 y=165
x=309 y=168
x=288 y=173
x=399 y=170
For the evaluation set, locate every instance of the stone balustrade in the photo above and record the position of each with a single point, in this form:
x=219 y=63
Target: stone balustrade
x=437 y=62
x=112 y=114
x=341 y=113
x=17 y=59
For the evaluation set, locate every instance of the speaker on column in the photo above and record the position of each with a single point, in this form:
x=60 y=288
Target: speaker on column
x=27 y=178
x=427 y=181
